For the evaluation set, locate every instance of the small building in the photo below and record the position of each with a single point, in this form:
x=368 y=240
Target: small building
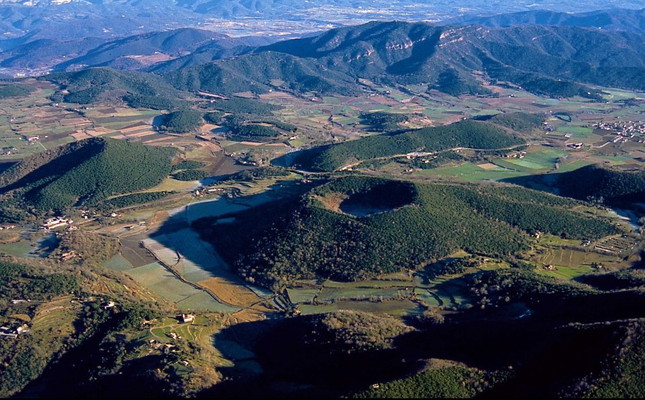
x=186 y=318
x=108 y=304
x=56 y=222
x=68 y=255
x=575 y=145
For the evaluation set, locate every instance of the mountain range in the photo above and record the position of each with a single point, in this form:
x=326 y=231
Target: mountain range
x=68 y=38
x=545 y=60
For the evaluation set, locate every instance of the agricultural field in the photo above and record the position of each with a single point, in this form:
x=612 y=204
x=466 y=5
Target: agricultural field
x=199 y=280
x=160 y=281
x=397 y=294
x=32 y=244
x=57 y=316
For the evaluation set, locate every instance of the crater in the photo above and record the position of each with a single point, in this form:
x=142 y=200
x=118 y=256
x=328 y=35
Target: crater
x=384 y=197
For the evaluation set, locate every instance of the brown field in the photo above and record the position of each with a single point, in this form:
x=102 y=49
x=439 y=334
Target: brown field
x=75 y=121
x=229 y=292
x=160 y=140
x=98 y=131
x=278 y=96
x=384 y=100
x=135 y=128
x=488 y=166
x=245 y=95
x=132 y=251
x=80 y=135
x=140 y=134
x=254 y=144
x=150 y=59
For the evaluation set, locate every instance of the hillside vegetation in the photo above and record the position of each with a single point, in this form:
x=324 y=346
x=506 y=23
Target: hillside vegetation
x=84 y=173
x=182 y=121
x=569 y=341
x=102 y=84
x=355 y=228
x=556 y=61
x=592 y=182
x=467 y=134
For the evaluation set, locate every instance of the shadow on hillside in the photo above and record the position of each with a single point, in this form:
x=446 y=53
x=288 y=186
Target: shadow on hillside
x=543 y=182
x=5 y=165
x=177 y=232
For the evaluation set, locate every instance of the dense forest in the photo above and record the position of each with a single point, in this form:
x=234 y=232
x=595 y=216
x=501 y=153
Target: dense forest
x=519 y=121
x=468 y=134
x=592 y=182
x=87 y=172
x=136 y=88
x=381 y=121
x=182 y=121
x=15 y=91
x=25 y=357
x=354 y=228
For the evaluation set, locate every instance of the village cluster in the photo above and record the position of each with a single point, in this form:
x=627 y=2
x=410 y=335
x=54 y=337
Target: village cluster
x=625 y=130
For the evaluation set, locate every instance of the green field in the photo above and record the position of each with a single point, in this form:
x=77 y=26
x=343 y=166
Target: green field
x=472 y=173
x=160 y=281
x=566 y=272
x=392 y=307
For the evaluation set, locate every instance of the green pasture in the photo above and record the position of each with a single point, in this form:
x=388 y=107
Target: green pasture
x=576 y=262
x=570 y=166
x=18 y=249
x=471 y=172
x=563 y=272
x=392 y=307
x=302 y=295
x=428 y=297
x=163 y=283
x=202 y=301
x=577 y=129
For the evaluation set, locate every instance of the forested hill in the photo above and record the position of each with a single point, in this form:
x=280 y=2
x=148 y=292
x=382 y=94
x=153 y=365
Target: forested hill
x=121 y=53
x=463 y=134
x=593 y=182
x=355 y=228
x=138 y=89
x=83 y=172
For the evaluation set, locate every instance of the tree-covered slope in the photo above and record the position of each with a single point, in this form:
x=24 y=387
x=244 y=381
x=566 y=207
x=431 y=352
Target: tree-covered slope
x=96 y=84
x=354 y=228
x=170 y=43
x=463 y=134
x=551 y=60
x=568 y=341
x=83 y=173
x=592 y=182
x=258 y=72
